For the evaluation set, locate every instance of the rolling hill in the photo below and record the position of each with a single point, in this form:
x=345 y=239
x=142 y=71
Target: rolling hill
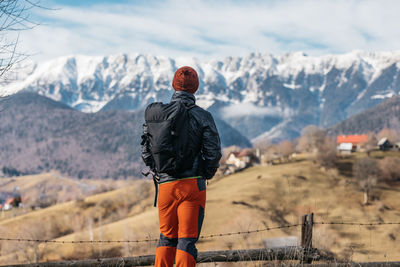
x=383 y=115
x=38 y=134
x=259 y=197
x=46 y=189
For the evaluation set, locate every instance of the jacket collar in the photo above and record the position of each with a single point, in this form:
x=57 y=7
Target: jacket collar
x=184 y=97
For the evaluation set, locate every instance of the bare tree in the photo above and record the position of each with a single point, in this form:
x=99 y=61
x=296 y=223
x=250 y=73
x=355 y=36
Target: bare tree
x=371 y=143
x=285 y=149
x=366 y=171
x=14 y=18
x=326 y=155
x=263 y=144
x=390 y=134
x=390 y=168
x=312 y=139
x=270 y=154
x=31 y=252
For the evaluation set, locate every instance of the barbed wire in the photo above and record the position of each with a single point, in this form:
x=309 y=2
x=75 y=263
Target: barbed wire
x=359 y=224
x=252 y=231
x=141 y=240
x=202 y=236
x=76 y=241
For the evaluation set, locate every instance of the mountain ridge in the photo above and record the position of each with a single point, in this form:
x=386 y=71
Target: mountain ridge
x=383 y=115
x=38 y=134
x=260 y=95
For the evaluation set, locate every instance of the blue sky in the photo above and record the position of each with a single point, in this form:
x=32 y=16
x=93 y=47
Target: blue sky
x=84 y=2
x=211 y=29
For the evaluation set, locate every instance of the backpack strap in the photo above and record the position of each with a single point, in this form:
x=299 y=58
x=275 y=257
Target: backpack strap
x=156 y=190
x=156 y=179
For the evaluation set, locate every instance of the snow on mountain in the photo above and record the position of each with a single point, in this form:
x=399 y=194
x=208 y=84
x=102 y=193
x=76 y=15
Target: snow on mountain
x=260 y=94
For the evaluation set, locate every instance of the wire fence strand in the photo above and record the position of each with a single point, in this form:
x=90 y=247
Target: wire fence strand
x=359 y=224
x=202 y=236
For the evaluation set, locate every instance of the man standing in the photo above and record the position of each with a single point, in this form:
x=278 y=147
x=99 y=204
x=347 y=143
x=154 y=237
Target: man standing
x=182 y=147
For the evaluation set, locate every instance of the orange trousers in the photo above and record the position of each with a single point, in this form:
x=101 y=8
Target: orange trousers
x=181 y=206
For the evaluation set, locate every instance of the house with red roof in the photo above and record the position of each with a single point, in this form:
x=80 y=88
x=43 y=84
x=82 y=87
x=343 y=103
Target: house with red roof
x=8 y=204
x=351 y=143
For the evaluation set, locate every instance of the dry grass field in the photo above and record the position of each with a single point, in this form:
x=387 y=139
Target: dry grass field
x=259 y=197
x=51 y=188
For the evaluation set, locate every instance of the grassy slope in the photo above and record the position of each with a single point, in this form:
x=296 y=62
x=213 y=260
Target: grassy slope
x=54 y=186
x=65 y=218
x=85 y=206
x=30 y=186
x=253 y=199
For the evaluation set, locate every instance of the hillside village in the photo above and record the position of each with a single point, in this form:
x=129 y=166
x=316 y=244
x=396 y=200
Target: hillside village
x=237 y=159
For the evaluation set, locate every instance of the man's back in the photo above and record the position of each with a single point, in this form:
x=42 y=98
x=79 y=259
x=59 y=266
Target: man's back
x=203 y=143
x=182 y=194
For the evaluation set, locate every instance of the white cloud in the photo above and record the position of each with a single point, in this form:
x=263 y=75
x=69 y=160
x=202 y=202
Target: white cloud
x=209 y=29
x=250 y=109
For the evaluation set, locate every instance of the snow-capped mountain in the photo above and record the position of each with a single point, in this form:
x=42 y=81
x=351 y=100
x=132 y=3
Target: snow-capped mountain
x=261 y=95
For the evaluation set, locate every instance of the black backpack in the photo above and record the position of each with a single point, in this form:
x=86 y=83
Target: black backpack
x=167 y=133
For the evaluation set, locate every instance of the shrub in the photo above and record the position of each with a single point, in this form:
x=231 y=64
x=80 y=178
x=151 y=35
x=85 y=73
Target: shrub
x=390 y=168
x=366 y=171
x=326 y=156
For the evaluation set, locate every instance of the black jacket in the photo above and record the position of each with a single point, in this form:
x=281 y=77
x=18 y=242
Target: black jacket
x=203 y=139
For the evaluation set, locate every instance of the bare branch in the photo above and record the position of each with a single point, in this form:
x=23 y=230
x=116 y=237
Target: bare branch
x=14 y=17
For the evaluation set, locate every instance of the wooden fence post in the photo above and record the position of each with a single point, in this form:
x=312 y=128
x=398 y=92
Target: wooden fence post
x=307 y=222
